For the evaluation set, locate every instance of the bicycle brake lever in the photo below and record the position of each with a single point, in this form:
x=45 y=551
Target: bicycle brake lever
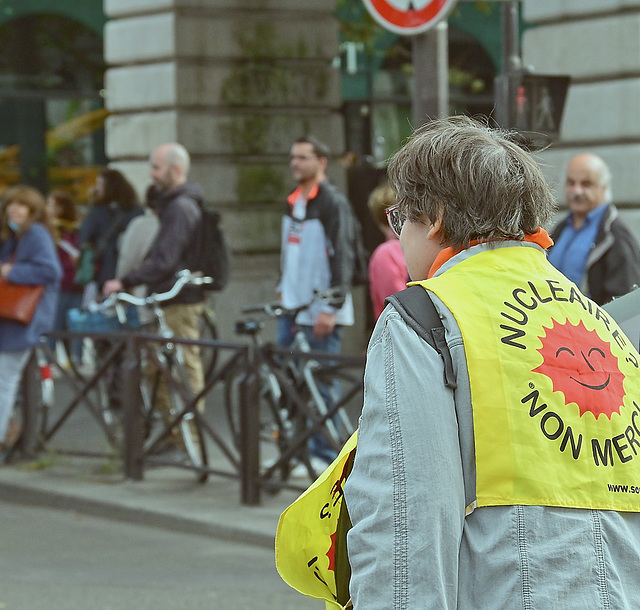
x=109 y=301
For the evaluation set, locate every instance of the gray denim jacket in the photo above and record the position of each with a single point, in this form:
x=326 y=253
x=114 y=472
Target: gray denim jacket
x=411 y=546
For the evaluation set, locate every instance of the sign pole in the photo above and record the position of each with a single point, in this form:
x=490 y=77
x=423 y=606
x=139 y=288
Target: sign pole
x=511 y=62
x=430 y=58
x=425 y=21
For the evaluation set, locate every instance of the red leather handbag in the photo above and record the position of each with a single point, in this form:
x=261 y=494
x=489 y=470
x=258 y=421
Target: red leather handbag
x=18 y=302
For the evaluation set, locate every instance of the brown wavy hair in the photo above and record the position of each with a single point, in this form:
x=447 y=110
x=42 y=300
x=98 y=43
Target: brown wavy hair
x=117 y=188
x=33 y=199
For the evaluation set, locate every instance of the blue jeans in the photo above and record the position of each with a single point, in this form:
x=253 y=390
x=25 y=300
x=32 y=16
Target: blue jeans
x=11 y=366
x=331 y=344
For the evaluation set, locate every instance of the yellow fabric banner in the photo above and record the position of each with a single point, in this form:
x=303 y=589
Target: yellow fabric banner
x=555 y=385
x=307 y=556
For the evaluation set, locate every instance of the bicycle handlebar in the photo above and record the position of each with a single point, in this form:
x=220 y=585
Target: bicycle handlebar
x=184 y=277
x=275 y=309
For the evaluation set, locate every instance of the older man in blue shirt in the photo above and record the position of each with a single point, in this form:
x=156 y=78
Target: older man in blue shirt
x=593 y=247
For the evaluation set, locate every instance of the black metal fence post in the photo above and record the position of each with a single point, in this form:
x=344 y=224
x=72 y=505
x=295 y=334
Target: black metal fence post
x=250 y=432
x=132 y=417
x=32 y=404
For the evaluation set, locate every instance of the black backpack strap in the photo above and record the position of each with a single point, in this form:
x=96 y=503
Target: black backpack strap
x=417 y=309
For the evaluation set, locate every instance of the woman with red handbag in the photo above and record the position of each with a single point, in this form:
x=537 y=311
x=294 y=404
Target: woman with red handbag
x=27 y=258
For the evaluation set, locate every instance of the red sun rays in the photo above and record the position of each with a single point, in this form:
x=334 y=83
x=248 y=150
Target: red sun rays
x=581 y=366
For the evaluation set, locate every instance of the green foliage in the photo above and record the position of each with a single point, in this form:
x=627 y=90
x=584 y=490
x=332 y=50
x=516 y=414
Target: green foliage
x=260 y=42
x=111 y=467
x=463 y=79
x=483 y=7
x=248 y=134
x=40 y=463
x=259 y=183
x=357 y=25
x=261 y=81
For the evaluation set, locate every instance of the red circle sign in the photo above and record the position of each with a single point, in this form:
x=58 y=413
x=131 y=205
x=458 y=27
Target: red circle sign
x=408 y=16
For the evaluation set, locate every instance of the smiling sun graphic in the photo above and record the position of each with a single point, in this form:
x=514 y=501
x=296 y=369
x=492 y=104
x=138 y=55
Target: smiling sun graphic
x=581 y=366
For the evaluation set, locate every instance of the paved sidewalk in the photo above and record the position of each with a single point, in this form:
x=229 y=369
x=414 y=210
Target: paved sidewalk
x=168 y=497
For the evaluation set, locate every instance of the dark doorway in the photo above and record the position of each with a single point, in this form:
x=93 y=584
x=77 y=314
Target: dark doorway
x=51 y=81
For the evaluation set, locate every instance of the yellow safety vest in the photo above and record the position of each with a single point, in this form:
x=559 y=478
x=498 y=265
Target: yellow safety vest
x=555 y=385
x=555 y=390
x=311 y=554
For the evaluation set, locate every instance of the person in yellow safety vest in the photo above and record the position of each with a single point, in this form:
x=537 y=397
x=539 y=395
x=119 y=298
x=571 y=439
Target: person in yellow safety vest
x=517 y=485
x=521 y=488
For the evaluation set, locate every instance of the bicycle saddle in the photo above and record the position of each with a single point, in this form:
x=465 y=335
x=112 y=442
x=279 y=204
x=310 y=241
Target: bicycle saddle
x=247 y=327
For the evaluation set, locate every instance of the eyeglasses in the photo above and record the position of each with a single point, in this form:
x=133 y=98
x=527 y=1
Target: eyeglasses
x=395 y=219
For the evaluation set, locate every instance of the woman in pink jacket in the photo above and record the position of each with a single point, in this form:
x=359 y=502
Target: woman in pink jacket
x=387 y=268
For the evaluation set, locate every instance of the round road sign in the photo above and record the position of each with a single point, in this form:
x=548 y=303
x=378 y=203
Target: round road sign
x=408 y=17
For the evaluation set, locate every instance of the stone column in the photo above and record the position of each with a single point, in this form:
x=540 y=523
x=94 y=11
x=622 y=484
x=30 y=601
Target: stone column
x=598 y=45
x=235 y=81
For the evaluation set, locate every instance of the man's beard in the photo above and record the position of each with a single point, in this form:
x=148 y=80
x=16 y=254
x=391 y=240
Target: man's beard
x=161 y=187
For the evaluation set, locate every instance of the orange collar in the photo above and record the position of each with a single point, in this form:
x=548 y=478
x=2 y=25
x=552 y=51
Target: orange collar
x=540 y=237
x=293 y=197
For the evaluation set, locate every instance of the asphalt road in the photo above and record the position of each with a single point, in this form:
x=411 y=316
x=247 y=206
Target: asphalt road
x=60 y=560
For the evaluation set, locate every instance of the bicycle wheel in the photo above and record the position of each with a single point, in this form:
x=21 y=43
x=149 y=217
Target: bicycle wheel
x=208 y=332
x=268 y=398
x=232 y=396
x=192 y=437
x=330 y=384
x=195 y=445
x=34 y=397
x=104 y=397
x=278 y=429
x=151 y=418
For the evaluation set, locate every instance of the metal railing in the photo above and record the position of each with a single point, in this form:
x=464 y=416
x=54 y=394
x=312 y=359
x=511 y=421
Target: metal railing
x=242 y=463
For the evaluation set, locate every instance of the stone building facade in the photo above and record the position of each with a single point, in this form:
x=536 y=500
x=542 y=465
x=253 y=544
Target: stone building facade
x=597 y=43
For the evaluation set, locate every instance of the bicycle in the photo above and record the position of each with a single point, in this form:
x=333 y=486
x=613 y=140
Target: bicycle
x=292 y=392
x=167 y=356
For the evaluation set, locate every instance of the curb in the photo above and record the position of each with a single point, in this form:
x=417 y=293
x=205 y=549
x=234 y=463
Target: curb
x=20 y=494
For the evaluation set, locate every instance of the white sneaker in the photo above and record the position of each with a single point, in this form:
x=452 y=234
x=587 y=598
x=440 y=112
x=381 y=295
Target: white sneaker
x=301 y=470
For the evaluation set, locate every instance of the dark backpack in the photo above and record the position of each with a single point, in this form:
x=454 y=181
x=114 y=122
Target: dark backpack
x=415 y=306
x=212 y=255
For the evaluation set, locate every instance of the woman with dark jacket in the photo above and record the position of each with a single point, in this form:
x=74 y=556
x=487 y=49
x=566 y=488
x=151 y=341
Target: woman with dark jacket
x=27 y=256
x=114 y=206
